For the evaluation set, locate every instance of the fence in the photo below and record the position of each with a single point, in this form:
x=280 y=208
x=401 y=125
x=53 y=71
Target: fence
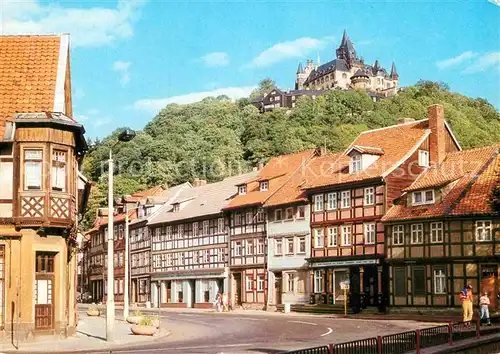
x=404 y=342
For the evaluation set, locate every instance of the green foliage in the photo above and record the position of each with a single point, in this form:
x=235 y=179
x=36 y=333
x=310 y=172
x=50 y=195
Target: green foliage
x=147 y=321
x=265 y=86
x=216 y=137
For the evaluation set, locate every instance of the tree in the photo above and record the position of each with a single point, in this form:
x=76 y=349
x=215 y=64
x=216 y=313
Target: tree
x=265 y=86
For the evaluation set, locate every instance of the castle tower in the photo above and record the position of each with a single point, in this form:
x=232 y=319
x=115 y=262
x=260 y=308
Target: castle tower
x=300 y=78
x=346 y=50
x=360 y=80
x=394 y=72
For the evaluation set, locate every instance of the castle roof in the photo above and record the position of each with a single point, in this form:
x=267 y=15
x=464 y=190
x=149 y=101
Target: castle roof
x=360 y=73
x=300 y=69
x=394 y=72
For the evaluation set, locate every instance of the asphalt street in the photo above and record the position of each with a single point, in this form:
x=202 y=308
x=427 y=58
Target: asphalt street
x=234 y=333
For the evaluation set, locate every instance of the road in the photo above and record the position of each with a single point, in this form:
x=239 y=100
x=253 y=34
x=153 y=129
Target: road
x=263 y=333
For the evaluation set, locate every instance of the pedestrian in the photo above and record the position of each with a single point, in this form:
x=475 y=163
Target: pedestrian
x=466 y=298
x=225 y=301
x=218 y=301
x=484 y=302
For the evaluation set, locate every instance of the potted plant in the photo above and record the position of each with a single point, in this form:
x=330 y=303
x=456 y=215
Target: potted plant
x=135 y=318
x=145 y=327
x=93 y=311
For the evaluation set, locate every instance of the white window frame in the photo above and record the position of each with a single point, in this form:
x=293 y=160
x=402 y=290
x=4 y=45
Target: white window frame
x=260 y=247
x=439 y=281
x=318 y=202
x=423 y=158
x=346 y=233
x=289 y=241
x=437 y=232
x=370 y=233
x=248 y=218
x=242 y=190
x=423 y=196
x=318 y=281
x=287 y=212
x=290 y=282
x=356 y=163
x=280 y=213
x=33 y=169
x=261 y=216
x=301 y=241
x=249 y=283
x=220 y=225
x=264 y=186
x=333 y=233
x=238 y=248
x=332 y=201
x=319 y=238
x=260 y=283
x=417 y=234
x=249 y=247
x=484 y=231
x=369 y=196
x=346 y=199
x=59 y=170
x=299 y=209
x=278 y=247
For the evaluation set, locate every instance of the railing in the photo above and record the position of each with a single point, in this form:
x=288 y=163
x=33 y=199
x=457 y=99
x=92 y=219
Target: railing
x=399 y=342
x=410 y=341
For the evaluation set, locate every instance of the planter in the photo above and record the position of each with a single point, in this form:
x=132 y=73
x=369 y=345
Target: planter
x=134 y=319
x=93 y=312
x=143 y=330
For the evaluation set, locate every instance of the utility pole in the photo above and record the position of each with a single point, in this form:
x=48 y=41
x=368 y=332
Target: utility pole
x=110 y=301
x=126 y=285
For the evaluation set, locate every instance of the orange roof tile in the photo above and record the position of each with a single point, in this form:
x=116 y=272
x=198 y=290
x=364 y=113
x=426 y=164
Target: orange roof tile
x=28 y=73
x=396 y=142
x=291 y=191
x=475 y=172
x=278 y=171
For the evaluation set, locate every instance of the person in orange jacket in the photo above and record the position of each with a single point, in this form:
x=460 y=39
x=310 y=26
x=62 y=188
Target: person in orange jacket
x=466 y=298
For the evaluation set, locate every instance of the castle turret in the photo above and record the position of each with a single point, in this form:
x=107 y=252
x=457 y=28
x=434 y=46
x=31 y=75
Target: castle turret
x=394 y=72
x=346 y=50
x=360 y=80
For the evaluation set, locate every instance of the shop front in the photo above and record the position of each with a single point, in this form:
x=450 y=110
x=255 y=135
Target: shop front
x=365 y=278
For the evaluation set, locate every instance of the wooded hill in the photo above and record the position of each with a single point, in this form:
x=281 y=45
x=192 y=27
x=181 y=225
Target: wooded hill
x=217 y=137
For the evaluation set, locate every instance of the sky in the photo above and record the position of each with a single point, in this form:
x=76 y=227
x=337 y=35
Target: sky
x=129 y=58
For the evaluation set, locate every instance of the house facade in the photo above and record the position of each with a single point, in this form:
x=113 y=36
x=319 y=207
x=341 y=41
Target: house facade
x=277 y=98
x=351 y=195
x=42 y=191
x=190 y=245
x=443 y=233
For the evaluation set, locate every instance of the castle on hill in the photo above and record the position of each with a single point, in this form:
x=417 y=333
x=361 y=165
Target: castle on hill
x=347 y=72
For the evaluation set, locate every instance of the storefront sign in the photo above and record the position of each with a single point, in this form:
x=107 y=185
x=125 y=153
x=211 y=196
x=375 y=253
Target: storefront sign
x=345 y=263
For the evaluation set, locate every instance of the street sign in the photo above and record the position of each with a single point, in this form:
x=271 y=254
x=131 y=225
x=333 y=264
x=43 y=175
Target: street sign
x=344 y=285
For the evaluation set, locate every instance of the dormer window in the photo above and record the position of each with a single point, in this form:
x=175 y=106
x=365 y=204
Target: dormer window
x=423 y=197
x=242 y=190
x=423 y=158
x=264 y=186
x=177 y=207
x=356 y=163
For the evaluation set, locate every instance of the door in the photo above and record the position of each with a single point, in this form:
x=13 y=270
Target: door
x=237 y=290
x=44 y=289
x=489 y=276
x=278 y=289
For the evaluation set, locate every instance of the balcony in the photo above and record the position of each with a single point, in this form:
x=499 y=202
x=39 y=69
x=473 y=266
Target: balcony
x=41 y=208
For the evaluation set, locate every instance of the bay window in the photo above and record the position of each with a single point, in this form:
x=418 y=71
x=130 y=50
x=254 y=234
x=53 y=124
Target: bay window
x=59 y=171
x=33 y=162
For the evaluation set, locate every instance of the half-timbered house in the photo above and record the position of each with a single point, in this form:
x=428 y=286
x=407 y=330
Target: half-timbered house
x=190 y=245
x=248 y=235
x=140 y=238
x=351 y=194
x=42 y=191
x=443 y=233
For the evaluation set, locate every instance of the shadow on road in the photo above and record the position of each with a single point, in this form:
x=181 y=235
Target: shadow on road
x=91 y=335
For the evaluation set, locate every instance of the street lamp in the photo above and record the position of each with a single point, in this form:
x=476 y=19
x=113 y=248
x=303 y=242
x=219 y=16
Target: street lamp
x=125 y=135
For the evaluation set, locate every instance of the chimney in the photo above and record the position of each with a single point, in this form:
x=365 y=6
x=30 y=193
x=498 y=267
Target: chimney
x=437 y=144
x=199 y=182
x=405 y=120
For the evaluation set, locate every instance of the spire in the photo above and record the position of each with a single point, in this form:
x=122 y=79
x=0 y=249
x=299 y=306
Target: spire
x=376 y=67
x=344 y=38
x=319 y=61
x=300 y=70
x=346 y=49
x=394 y=72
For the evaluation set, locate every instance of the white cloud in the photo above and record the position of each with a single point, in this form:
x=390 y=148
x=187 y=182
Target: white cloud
x=488 y=61
x=215 y=59
x=287 y=50
x=459 y=59
x=123 y=68
x=156 y=104
x=81 y=118
x=495 y=2
x=95 y=26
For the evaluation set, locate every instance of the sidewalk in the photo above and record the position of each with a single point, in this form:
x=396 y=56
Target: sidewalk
x=91 y=334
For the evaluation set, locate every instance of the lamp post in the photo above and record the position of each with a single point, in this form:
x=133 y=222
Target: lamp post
x=125 y=135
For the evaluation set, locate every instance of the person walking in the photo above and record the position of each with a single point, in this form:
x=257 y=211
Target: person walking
x=466 y=298
x=218 y=301
x=225 y=302
x=484 y=303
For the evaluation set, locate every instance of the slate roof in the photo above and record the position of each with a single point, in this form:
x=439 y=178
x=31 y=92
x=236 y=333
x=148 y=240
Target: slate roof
x=28 y=75
x=397 y=143
x=335 y=64
x=201 y=201
x=469 y=176
x=277 y=171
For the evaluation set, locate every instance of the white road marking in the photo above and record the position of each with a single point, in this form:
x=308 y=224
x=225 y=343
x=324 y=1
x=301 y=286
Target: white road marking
x=251 y=319
x=309 y=323
x=327 y=333
x=186 y=315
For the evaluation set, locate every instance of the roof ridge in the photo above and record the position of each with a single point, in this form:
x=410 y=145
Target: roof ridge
x=290 y=177
x=394 y=126
x=469 y=185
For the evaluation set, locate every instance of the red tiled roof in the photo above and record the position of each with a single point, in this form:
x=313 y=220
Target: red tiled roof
x=368 y=150
x=28 y=73
x=397 y=143
x=278 y=171
x=291 y=191
x=475 y=172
